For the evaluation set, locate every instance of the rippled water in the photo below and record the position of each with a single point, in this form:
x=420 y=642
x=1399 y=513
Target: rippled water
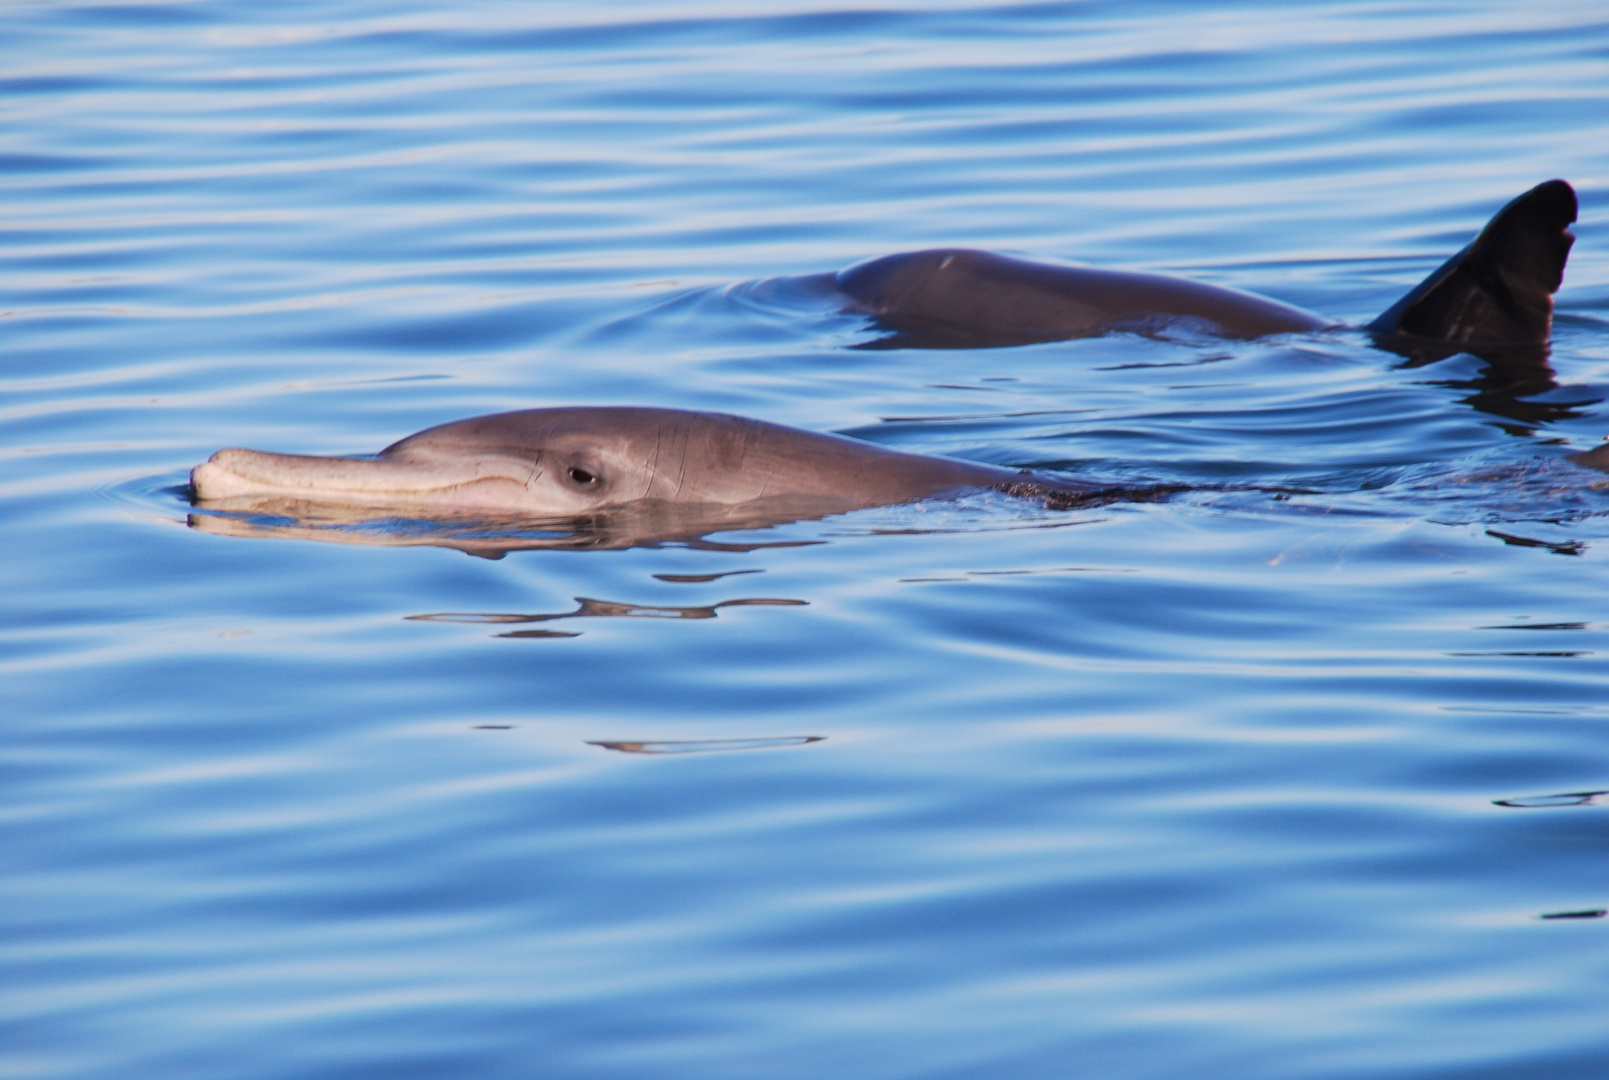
x=1229 y=785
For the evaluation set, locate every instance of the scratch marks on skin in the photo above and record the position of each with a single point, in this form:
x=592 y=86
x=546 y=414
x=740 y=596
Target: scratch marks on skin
x=653 y=463
x=765 y=482
x=681 y=462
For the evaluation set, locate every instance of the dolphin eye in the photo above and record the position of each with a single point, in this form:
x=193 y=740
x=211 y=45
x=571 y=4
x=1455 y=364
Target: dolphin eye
x=581 y=476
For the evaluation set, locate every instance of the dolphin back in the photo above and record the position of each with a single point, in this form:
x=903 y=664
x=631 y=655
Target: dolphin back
x=1498 y=290
x=957 y=298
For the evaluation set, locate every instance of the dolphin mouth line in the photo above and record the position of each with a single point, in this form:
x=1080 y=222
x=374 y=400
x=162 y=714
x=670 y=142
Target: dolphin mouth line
x=236 y=473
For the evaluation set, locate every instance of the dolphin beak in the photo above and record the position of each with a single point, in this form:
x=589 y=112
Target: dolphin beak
x=467 y=484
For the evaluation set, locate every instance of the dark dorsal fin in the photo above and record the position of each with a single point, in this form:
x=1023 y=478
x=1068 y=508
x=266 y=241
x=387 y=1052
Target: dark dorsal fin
x=1499 y=289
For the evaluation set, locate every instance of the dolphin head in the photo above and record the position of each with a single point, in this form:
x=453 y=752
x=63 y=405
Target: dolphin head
x=543 y=462
x=583 y=477
x=566 y=462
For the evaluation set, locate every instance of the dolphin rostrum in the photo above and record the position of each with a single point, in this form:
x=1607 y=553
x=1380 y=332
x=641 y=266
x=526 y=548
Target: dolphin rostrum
x=1495 y=293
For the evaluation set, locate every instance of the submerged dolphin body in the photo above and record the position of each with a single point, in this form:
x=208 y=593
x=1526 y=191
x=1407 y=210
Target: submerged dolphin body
x=615 y=476
x=1496 y=293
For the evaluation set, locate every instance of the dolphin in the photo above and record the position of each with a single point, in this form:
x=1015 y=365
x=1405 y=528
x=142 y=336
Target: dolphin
x=615 y=476
x=1596 y=458
x=1496 y=294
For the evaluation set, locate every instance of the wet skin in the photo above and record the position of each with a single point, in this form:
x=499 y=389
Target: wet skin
x=1496 y=292
x=643 y=475
x=615 y=476
x=573 y=461
x=1493 y=299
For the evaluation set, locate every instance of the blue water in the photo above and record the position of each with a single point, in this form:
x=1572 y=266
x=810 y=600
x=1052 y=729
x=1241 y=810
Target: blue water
x=1225 y=786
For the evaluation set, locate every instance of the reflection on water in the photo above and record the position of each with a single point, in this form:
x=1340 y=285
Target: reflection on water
x=1507 y=380
x=698 y=579
x=1572 y=798
x=1541 y=626
x=1504 y=384
x=609 y=609
x=1559 y=653
x=1562 y=547
x=972 y=575
x=642 y=524
x=704 y=746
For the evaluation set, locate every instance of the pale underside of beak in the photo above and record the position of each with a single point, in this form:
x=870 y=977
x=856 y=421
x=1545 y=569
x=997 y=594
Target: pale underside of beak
x=482 y=483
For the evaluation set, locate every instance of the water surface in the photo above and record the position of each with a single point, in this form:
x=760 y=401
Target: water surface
x=1233 y=785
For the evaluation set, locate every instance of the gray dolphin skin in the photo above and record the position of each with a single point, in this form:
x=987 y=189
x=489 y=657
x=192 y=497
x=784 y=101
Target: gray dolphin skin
x=1596 y=458
x=983 y=299
x=625 y=476
x=1498 y=291
x=638 y=474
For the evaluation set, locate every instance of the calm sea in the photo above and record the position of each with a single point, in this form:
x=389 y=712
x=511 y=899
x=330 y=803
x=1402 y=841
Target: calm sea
x=1230 y=786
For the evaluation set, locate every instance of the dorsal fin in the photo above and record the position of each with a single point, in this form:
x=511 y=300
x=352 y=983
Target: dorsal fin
x=1499 y=289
